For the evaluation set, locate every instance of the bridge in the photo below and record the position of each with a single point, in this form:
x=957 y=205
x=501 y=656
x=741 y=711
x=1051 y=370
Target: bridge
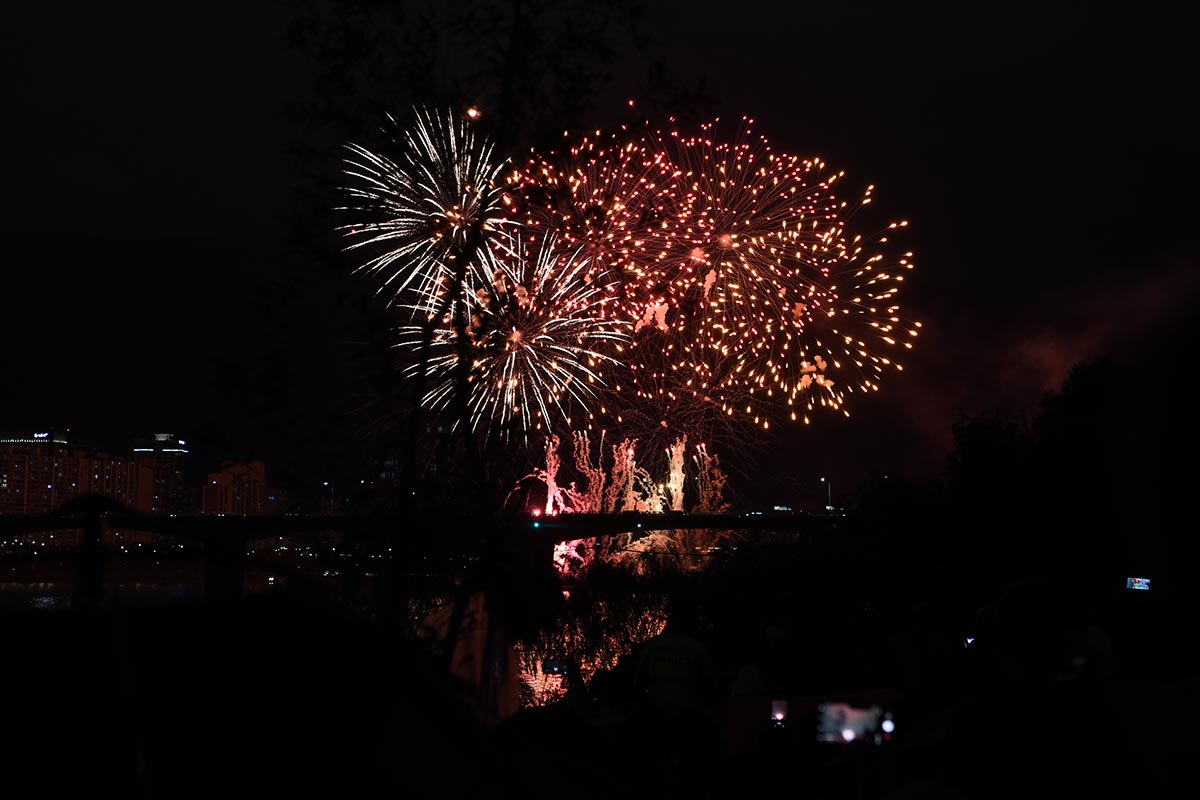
x=97 y=512
x=223 y=540
x=567 y=527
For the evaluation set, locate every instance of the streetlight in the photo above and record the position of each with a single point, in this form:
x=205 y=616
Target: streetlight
x=828 y=494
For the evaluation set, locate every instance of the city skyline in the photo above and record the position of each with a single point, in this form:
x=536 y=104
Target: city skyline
x=42 y=471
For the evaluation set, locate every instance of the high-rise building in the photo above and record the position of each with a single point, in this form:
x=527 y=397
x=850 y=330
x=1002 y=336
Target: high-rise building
x=40 y=471
x=164 y=455
x=239 y=487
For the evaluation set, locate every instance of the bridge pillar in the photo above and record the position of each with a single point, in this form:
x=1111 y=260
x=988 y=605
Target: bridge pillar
x=89 y=580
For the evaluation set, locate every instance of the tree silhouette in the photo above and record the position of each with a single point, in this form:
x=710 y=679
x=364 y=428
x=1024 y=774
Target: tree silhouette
x=534 y=68
x=1096 y=486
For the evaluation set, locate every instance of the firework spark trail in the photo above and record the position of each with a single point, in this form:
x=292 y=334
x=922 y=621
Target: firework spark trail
x=654 y=400
x=606 y=193
x=738 y=205
x=767 y=296
x=538 y=338
x=415 y=213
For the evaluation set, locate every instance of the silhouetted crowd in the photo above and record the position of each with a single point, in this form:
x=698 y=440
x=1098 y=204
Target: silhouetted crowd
x=1043 y=687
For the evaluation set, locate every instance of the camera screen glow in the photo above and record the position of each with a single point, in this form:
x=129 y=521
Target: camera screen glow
x=846 y=723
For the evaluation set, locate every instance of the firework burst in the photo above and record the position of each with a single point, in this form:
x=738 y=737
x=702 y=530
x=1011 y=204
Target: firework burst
x=771 y=305
x=416 y=215
x=653 y=399
x=536 y=333
x=691 y=284
x=607 y=194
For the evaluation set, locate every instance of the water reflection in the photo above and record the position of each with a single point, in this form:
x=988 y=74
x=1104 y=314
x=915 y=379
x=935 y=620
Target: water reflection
x=615 y=594
x=614 y=588
x=586 y=640
x=164 y=588
x=645 y=552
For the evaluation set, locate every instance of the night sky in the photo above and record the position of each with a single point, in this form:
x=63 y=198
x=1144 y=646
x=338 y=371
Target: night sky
x=1044 y=158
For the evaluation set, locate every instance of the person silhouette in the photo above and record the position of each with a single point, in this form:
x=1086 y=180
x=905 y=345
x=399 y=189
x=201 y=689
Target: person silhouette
x=680 y=696
x=675 y=673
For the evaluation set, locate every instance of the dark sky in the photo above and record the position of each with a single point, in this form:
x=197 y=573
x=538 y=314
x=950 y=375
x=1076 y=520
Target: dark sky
x=1044 y=157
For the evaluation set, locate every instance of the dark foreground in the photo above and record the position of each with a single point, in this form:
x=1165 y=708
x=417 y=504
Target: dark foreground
x=289 y=695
